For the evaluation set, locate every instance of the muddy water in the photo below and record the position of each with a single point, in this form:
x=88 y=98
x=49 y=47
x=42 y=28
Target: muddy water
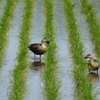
x=89 y=48
x=65 y=62
x=11 y=52
x=35 y=83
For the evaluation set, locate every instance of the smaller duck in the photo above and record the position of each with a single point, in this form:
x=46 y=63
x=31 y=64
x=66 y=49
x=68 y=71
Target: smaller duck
x=93 y=63
x=39 y=48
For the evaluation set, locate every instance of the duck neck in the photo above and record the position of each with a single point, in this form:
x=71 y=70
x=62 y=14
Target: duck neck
x=91 y=58
x=43 y=45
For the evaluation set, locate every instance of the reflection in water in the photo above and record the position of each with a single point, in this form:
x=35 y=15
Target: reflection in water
x=38 y=66
x=93 y=77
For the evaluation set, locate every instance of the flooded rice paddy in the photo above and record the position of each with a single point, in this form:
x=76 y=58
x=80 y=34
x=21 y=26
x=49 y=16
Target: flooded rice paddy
x=35 y=81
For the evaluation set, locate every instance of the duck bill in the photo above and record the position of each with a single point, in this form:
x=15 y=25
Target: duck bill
x=48 y=42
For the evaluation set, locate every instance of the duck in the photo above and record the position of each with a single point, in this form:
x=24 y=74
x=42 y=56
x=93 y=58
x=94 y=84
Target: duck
x=39 y=48
x=93 y=63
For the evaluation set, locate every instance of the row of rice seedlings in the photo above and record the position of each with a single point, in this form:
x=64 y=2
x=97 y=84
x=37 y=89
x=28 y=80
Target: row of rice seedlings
x=5 y=23
x=0 y=1
x=51 y=81
x=20 y=72
x=93 y=24
x=84 y=88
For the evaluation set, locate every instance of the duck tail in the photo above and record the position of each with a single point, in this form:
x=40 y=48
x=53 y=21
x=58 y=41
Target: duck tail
x=29 y=46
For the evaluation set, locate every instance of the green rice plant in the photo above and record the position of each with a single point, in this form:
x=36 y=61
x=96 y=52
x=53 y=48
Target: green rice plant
x=5 y=23
x=51 y=81
x=93 y=24
x=19 y=87
x=84 y=88
x=0 y=1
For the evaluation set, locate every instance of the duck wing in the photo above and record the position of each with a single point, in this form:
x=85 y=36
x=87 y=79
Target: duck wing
x=95 y=60
x=35 y=47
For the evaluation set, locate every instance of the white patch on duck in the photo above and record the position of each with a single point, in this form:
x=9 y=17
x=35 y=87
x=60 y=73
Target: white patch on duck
x=42 y=48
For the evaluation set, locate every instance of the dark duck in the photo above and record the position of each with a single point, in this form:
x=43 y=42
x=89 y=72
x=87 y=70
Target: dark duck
x=39 y=48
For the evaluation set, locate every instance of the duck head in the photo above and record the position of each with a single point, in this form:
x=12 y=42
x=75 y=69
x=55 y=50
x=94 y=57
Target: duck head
x=45 y=40
x=88 y=56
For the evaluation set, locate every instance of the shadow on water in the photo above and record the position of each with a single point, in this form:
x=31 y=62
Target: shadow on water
x=93 y=77
x=34 y=81
x=38 y=66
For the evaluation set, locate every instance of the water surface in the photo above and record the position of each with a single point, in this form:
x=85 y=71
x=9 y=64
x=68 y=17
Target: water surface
x=64 y=56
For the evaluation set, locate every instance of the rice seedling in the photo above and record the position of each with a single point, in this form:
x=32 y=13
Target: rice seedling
x=20 y=72
x=93 y=24
x=5 y=24
x=84 y=88
x=0 y=1
x=51 y=81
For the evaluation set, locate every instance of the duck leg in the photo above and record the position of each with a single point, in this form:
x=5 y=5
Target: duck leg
x=34 y=57
x=40 y=58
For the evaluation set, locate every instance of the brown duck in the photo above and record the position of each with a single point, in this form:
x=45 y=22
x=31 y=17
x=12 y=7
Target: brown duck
x=93 y=63
x=39 y=48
